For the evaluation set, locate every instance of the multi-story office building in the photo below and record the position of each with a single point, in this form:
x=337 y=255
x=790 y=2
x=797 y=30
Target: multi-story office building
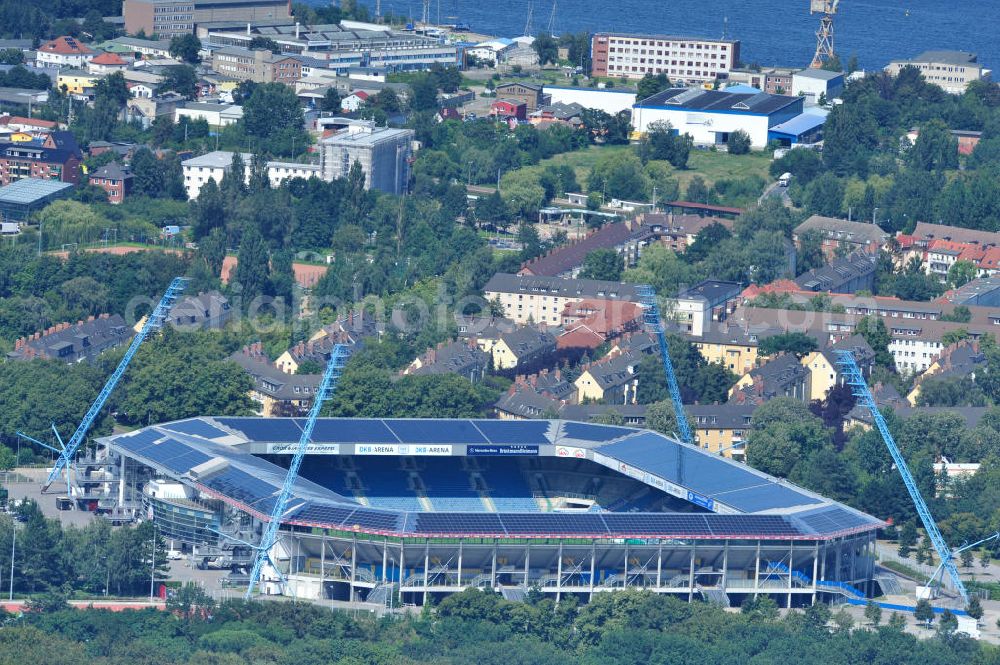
x=215 y=165
x=952 y=70
x=258 y=65
x=680 y=58
x=384 y=155
x=169 y=18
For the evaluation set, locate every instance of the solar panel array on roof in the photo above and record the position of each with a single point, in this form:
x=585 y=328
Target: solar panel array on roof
x=833 y=519
x=458 y=523
x=196 y=427
x=588 y=432
x=348 y=430
x=265 y=429
x=173 y=455
x=705 y=474
x=436 y=431
x=514 y=431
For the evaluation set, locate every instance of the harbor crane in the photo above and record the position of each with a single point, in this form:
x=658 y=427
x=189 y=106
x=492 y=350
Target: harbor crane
x=66 y=451
x=854 y=379
x=328 y=384
x=824 y=36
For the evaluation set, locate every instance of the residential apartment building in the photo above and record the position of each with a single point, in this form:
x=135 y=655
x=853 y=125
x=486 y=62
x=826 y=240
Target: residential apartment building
x=277 y=394
x=64 y=52
x=114 y=179
x=951 y=70
x=216 y=115
x=215 y=165
x=850 y=274
x=681 y=58
x=257 y=65
x=728 y=345
x=527 y=298
x=384 y=153
x=73 y=343
x=841 y=234
x=825 y=373
x=610 y=380
x=169 y=18
x=463 y=358
x=721 y=428
x=29 y=160
x=782 y=376
x=524 y=349
x=695 y=308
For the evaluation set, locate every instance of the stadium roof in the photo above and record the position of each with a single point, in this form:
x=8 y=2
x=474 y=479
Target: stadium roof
x=218 y=457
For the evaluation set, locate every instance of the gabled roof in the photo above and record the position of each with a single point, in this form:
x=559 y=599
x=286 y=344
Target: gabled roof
x=74 y=342
x=65 y=46
x=109 y=59
x=567 y=257
x=112 y=171
x=527 y=341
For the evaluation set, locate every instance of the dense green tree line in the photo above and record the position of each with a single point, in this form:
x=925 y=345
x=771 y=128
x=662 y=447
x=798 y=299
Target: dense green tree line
x=621 y=628
x=870 y=169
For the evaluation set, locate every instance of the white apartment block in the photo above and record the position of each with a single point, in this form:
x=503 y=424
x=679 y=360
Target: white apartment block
x=951 y=70
x=537 y=299
x=680 y=58
x=215 y=165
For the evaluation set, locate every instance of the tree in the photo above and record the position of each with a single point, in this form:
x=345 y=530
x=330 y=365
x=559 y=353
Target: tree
x=182 y=79
x=936 y=149
x=651 y=84
x=662 y=417
x=975 y=608
x=782 y=432
x=605 y=264
x=825 y=195
x=874 y=330
x=424 y=94
x=948 y=624
x=810 y=254
x=798 y=343
x=331 y=102
x=924 y=612
x=186 y=47
x=620 y=176
x=961 y=273
x=907 y=538
x=212 y=250
x=873 y=613
x=266 y=43
x=697 y=191
x=273 y=117
x=252 y=270
x=804 y=165
x=985 y=557
x=960 y=314
x=738 y=142
x=147 y=174
x=546 y=47
x=234 y=181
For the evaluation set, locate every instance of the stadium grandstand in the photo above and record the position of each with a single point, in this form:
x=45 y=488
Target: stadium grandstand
x=429 y=507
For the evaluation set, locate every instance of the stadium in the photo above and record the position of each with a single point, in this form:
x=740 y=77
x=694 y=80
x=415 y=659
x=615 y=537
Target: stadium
x=428 y=507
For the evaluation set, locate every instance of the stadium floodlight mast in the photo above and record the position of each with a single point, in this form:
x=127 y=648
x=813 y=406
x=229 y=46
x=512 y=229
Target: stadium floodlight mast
x=328 y=384
x=66 y=451
x=854 y=378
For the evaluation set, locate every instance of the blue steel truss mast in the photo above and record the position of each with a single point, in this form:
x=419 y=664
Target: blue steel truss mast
x=153 y=323
x=328 y=384
x=859 y=387
x=651 y=317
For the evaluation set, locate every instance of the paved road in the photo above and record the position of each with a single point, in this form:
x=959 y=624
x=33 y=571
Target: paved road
x=776 y=190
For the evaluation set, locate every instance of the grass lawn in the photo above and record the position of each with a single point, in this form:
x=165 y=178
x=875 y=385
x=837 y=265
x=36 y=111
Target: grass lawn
x=711 y=166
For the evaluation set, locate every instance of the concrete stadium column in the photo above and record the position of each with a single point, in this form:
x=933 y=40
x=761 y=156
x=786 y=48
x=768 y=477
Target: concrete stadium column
x=460 y=543
x=822 y=565
x=402 y=567
x=659 y=566
x=354 y=565
x=593 y=567
x=121 y=485
x=694 y=546
x=791 y=568
x=427 y=561
x=527 y=562
x=559 y=562
x=385 y=557
x=756 y=574
x=815 y=570
x=493 y=571
x=725 y=566
x=839 y=564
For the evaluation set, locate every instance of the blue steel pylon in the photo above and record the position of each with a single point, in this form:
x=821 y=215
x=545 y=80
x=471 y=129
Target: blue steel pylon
x=328 y=384
x=651 y=317
x=854 y=378
x=68 y=450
